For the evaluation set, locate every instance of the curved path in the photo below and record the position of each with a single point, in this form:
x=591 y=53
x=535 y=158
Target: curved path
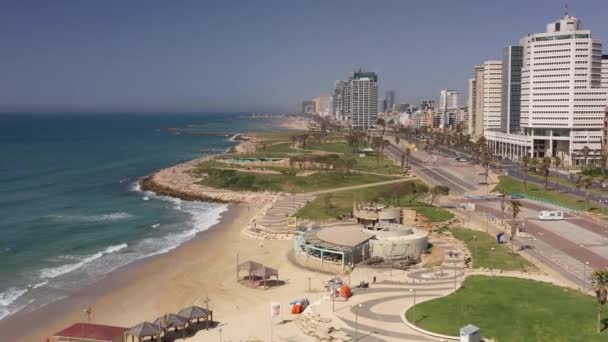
x=378 y=318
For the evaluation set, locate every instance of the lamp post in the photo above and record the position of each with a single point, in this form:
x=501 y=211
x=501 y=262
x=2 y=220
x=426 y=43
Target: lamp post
x=357 y=321
x=585 y=264
x=414 y=307
x=491 y=269
x=534 y=248
x=474 y=249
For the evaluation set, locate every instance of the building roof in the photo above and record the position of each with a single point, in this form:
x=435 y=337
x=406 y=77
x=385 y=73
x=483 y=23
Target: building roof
x=337 y=237
x=91 y=332
x=144 y=329
x=194 y=312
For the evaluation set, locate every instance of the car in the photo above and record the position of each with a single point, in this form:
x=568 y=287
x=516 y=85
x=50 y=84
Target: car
x=551 y=215
x=516 y=196
x=462 y=159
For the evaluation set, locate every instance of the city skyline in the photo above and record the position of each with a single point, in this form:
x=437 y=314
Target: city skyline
x=153 y=56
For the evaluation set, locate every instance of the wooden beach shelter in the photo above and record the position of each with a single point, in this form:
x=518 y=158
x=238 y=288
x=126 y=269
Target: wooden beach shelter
x=144 y=330
x=169 y=321
x=250 y=267
x=265 y=273
x=196 y=313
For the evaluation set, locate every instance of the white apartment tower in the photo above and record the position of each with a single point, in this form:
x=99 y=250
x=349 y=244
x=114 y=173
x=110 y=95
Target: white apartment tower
x=562 y=101
x=492 y=95
x=355 y=100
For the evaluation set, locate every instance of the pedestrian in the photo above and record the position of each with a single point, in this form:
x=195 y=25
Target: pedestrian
x=374 y=280
x=451 y=254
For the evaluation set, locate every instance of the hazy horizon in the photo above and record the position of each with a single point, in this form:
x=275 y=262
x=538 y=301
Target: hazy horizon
x=238 y=56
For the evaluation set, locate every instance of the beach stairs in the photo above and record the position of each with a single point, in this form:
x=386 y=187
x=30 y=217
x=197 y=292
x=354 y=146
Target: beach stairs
x=272 y=221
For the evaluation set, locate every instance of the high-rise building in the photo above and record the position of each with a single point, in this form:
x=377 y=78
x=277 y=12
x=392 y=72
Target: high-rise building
x=389 y=97
x=427 y=104
x=562 y=102
x=356 y=100
x=512 y=62
x=604 y=71
x=475 y=102
x=492 y=89
x=323 y=105
x=448 y=107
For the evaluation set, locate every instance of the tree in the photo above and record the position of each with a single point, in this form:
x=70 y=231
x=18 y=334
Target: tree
x=503 y=197
x=397 y=140
x=525 y=162
x=381 y=122
x=585 y=183
x=437 y=191
x=515 y=208
x=585 y=150
x=557 y=161
x=545 y=166
x=599 y=283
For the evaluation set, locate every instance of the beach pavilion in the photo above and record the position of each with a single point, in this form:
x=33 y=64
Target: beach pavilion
x=265 y=273
x=144 y=330
x=169 y=321
x=250 y=267
x=196 y=313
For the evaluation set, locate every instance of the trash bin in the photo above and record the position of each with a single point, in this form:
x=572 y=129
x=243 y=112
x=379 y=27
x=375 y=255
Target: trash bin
x=499 y=237
x=470 y=333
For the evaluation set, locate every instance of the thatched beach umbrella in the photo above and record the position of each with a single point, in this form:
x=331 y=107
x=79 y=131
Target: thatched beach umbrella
x=266 y=272
x=143 y=330
x=169 y=321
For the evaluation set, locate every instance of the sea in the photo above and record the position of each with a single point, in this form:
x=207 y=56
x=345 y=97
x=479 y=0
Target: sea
x=71 y=210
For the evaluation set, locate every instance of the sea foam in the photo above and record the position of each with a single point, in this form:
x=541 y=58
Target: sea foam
x=57 y=271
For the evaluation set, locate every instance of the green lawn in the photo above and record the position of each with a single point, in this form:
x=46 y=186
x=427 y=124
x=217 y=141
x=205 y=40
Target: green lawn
x=511 y=309
x=238 y=180
x=509 y=185
x=484 y=257
x=367 y=164
x=341 y=203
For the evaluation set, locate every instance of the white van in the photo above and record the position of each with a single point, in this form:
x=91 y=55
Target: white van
x=550 y=215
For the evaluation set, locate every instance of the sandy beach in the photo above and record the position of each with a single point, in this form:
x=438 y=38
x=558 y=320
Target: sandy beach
x=203 y=267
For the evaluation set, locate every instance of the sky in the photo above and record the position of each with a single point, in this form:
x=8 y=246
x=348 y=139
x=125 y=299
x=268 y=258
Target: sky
x=252 y=55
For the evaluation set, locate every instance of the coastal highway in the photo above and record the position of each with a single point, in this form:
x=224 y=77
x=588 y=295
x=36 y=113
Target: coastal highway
x=461 y=178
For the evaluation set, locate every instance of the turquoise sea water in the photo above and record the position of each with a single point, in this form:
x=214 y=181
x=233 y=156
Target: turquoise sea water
x=70 y=210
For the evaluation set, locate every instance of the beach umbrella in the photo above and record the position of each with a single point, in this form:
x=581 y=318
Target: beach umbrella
x=145 y=329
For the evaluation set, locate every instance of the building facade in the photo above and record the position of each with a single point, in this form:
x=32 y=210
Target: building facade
x=389 y=97
x=512 y=62
x=562 y=101
x=356 y=100
x=323 y=105
x=492 y=95
x=475 y=102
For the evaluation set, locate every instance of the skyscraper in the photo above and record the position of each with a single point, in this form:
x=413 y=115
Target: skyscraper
x=512 y=62
x=448 y=107
x=389 y=97
x=604 y=71
x=356 y=100
x=475 y=102
x=492 y=89
x=562 y=102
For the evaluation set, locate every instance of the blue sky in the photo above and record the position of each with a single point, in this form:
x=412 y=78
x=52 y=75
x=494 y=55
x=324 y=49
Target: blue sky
x=252 y=55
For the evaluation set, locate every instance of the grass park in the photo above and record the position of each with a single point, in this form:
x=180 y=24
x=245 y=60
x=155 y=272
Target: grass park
x=536 y=191
x=330 y=206
x=487 y=253
x=512 y=309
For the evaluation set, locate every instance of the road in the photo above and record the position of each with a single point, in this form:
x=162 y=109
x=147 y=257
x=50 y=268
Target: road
x=573 y=246
x=461 y=178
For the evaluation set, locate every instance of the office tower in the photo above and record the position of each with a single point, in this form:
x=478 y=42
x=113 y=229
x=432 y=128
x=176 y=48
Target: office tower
x=512 y=60
x=448 y=106
x=356 y=100
x=492 y=88
x=562 y=102
x=389 y=97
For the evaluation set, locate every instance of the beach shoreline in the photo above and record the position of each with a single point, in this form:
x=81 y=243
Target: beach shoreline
x=172 y=279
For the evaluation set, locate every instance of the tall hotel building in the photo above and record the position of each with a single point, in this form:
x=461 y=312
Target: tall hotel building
x=355 y=100
x=562 y=101
x=492 y=89
x=475 y=102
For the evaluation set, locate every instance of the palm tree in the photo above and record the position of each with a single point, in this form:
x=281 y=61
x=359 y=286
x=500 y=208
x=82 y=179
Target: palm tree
x=437 y=191
x=584 y=183
x=545 y=167
x=503 y=197
x=515 y=208
x=525 y=161
x=599 y=283
x=557 y=161
x=585 y=150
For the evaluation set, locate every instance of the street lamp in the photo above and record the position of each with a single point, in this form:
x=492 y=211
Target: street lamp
x=492 y=253
x=585 y=264
x=474 y=249
x=414 y=307
x=357 y=321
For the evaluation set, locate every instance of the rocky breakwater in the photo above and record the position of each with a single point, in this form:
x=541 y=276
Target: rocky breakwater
x=176 y=181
